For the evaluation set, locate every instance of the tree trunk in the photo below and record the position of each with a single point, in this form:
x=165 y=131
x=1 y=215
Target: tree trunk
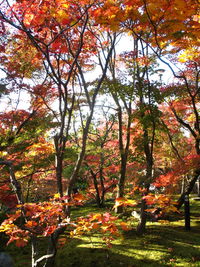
x=101 y=177
x=149 y=168
x=34 y=251
x=198 y=187
x=121 y=184
x=52 y=249
x=59 y=143
x=188 y=190
x=183 y=186
x=98 y=199
x=187 y=212
x=141 y=227
x=59 y=170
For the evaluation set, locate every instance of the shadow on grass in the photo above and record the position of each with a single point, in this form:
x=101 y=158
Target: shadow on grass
x=177 y=245
x=161 y=246
x=75 y=254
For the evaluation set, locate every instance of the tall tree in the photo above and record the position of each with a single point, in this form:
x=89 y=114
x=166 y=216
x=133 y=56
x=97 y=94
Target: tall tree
x=57 y=45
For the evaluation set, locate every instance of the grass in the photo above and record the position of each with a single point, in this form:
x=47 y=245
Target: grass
x=162 y=245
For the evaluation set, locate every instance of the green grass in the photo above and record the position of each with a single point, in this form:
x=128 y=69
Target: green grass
x=162 y=245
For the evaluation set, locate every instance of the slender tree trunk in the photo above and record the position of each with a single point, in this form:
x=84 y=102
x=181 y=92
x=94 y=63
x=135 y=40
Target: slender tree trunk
x=59 y=170
x=101 y=177
x=52 y=249
x=141 y=227
x=183 y=186
x=33 y=250
x=121 y=184
x=98 y=198
x=14 y=182
x=198 y=187
x=124 y=151
x=188 y=189
x=149 y=168
x=79 y=161
x=59 y=143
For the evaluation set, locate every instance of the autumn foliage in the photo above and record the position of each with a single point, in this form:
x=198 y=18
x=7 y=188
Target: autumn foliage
x=84 y=116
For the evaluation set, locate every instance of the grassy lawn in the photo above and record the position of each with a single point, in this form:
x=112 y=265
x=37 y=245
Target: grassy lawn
x=166 y=244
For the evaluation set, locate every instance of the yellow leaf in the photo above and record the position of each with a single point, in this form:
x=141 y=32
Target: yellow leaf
x=65 y=5
x=96 y=216
x=57 y=195
x=6 y=227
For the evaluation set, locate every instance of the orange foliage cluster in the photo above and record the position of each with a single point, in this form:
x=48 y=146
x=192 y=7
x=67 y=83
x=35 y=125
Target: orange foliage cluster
x=162 y=202
x=190 y=164
x=64 y=34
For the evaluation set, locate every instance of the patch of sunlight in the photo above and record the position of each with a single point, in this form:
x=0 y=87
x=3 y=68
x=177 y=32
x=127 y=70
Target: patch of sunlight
x=91 y=242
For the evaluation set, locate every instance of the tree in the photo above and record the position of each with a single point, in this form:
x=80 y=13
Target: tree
x=174 y=32
x=52 y=39
x=59 y=46
x=101 y=159
x=51 y=49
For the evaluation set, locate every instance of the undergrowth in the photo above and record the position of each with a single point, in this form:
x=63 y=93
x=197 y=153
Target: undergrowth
x=163 y=244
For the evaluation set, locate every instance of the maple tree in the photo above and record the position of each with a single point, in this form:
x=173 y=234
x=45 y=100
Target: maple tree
x=52 y=50
x=101 y=161
x=63 y=65
x=54 y=44
x=139 y=98
x=177 y=35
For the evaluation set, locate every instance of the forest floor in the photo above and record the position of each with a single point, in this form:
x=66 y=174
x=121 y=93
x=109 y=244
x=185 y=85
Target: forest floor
x=163 y=244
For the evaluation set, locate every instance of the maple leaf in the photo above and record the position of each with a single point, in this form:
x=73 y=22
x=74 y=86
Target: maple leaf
x=31 y=224
x=21 y=242
x=122 y=201
x=78 y=197
x=49 y=230
x=125 y=226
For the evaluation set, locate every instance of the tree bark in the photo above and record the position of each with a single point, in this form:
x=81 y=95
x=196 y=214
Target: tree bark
x=143 y=218
x=188 y=189
x=121 y=184
x=124 y=151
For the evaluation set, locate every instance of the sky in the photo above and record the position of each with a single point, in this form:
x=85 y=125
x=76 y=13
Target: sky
x=21 y=100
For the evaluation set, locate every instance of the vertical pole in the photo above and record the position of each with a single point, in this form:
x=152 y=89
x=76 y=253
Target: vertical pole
x=187 y=212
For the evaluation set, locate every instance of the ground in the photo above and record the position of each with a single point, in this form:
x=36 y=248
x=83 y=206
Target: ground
x=164 y=244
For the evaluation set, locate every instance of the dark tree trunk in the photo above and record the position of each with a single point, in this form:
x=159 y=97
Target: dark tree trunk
x=101 y=176
x=124 y=151
x=59 y=143
x=148 y=151
x=59 y=170
x=98 y=198
x=188 y=189
x=198 y=187
x=121 y=184
x=141 y=227
x=187 y=212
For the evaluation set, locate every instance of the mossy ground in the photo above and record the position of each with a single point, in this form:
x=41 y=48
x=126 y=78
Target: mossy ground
x=166 y=244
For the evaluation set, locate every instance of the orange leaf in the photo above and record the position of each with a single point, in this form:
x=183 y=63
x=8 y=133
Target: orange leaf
x=21 y=242
x=125 y=226
x=79 y=197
